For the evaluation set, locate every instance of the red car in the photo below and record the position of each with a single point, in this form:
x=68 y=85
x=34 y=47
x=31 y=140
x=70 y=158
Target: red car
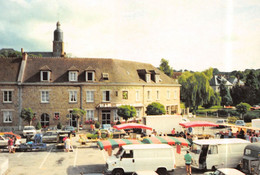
x=255 y=107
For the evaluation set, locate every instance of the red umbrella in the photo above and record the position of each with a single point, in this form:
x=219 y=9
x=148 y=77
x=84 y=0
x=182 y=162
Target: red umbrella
x=198 y=124
x=131 y=125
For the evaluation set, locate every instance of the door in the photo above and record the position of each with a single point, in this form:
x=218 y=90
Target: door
x=127 y=161
x=106 y=117
x=72 y=120
x=203 y=156
x=212 y=159
x=45 y=120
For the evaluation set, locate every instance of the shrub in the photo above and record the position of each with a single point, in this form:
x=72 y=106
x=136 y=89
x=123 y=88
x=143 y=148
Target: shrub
x=97 y=124
x=242 y=108
x=38 y=126
x=155 y=108
x=251 y=115
x=59 y=125
x=232 y=119
x=222 y=113
x=126 y=111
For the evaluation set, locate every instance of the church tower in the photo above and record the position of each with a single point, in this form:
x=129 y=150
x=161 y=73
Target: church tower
x=58 y=45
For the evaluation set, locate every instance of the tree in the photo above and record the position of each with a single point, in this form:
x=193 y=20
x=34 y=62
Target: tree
x=155 y=108
x=242 y=108
x=164 y=66
x=252 y=84
x=126 y=111
x=78 y=113
x=214 y=100
x=27 y=115
x=225 y=94
x=195 y=88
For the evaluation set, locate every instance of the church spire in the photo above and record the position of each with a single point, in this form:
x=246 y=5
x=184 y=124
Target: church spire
x=58 y=45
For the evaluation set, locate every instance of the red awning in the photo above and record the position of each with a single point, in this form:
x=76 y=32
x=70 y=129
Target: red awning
x=131 y=126
x=198 y=124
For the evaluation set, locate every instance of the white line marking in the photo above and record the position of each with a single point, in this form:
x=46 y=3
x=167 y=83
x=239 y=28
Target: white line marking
x=45 y=158
x=19 y=155
x=76 y=155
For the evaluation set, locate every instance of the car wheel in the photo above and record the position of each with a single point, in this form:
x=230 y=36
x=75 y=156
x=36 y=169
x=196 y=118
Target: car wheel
x=162 y=171
x=118 y=172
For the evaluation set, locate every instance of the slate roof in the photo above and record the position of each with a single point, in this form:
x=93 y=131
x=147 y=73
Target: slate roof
x=120 y=71
x=216 y=80
x=9 y=69
x=233 y=80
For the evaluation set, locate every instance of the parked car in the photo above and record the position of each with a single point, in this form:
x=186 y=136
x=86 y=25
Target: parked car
x=240 y=123
x=94 y=134
x=255 y=107
x=49 y=136
x=10 y=134
x=3 y=142
x=220 y=123
x=71 y=129
x=225 y=171
x=184 y=120
x=29 y=131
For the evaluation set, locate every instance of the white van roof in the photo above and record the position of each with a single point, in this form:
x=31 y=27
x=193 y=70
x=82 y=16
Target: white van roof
x=219 y=141
x=146 y=146
x=230 y=171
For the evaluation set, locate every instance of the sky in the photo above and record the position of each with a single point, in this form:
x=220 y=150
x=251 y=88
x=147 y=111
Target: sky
x=191 y=34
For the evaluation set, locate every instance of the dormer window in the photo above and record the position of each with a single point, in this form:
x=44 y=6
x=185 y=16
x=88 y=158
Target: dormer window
x=148 y=78
x=45 y=75
x=73 y=76
x=90 y=75
x=105 y=76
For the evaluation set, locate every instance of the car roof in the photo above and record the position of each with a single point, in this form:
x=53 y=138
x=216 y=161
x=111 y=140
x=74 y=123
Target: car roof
x=229 y=171
x=219 y=141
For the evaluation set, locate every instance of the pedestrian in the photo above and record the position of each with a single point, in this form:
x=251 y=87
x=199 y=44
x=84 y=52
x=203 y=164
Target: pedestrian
x=188 y=159
x=173 y=132
x=67 y=144
x=10 y=145
x=99 y=134
x=14 y=143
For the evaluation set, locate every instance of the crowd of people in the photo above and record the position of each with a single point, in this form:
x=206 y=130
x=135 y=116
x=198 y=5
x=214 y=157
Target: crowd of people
x=251 y=136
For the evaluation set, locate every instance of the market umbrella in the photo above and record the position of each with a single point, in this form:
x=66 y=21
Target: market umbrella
x=167 y=140
x=197 y=124
x=113 y=143
x=131 y=126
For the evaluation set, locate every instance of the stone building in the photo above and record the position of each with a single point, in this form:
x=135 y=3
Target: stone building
x=53 y=86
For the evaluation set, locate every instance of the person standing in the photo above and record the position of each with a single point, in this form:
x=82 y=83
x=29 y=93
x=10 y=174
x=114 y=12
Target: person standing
x=188 y=158
x=99 y=134
x=10 y=145
x=67 y=144
x=173 y=132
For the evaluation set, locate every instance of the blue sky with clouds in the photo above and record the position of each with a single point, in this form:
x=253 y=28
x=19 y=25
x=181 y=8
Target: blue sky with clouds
x=191 y=34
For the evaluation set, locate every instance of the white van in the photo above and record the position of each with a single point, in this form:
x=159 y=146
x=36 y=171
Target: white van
x=132 y=158
x=217 y=153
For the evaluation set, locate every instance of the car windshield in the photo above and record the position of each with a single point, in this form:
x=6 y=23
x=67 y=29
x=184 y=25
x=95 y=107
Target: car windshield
x=220 y=121
x=195 y=148
x=29 y=128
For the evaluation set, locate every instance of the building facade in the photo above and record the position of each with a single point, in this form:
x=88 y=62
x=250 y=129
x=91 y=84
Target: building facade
x=53 y=86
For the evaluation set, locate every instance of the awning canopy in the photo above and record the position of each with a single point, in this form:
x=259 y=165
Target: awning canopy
x=114 y=143
x=198 y=124
x=167 y=140
x=131 y=126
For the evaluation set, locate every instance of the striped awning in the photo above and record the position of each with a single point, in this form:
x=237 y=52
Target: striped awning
x=167 y=140
x=114 y=143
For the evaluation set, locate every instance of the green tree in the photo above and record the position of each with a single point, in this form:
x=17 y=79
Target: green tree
x=253 y=88
x=27 y=115
x=214 y=100
x=164 y=66
x=126 y=111
x=195 y=88
x=242 y=108
x=225 y=94
x=78 y=113
x=155 y=108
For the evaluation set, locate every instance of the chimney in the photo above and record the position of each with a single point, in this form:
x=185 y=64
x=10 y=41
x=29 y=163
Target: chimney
x=25 y=55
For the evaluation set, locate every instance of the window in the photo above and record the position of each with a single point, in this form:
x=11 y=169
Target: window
x=137 y=95
x=45 y=75
x=168 y=95
x=90 y=115
x=45 y=96
x=125 y=95
x=116 y=117
x=157 y=95
x=105 y=76
x=138 y=112
x=90 y=76
x=106 y=96
x=7 y=96
x=56 y=116
x=45 y=120
x=175 y=94
x=72 y=96
x=213 y=149
x=90 y=96
x=148 y=78
x=148 y=95
x=7 y=116
x=73 y=76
